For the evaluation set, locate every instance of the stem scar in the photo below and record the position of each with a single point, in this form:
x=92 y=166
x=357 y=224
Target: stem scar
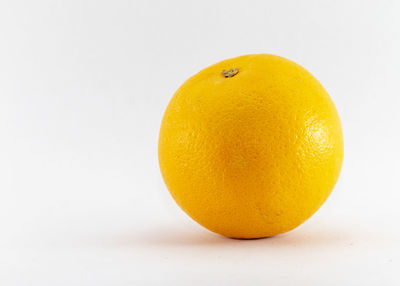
x=230 y=72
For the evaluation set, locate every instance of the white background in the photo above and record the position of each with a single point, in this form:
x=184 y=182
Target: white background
x=83 y=86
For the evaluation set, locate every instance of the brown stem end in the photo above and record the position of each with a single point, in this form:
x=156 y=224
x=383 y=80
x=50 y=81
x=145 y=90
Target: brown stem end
x=230 y=72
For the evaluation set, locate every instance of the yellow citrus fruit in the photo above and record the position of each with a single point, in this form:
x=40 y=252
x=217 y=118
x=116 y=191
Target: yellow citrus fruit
x=251 y=146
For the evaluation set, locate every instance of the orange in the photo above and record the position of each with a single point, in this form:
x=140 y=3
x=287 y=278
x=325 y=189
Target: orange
x=251 y=146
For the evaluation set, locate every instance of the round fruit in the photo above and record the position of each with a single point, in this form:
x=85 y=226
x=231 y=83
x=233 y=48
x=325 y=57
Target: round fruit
x=251 y=146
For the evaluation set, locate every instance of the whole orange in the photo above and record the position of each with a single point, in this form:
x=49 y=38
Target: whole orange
x=251 y=146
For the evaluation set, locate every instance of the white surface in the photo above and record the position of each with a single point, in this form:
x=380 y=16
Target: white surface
x=83 y=85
